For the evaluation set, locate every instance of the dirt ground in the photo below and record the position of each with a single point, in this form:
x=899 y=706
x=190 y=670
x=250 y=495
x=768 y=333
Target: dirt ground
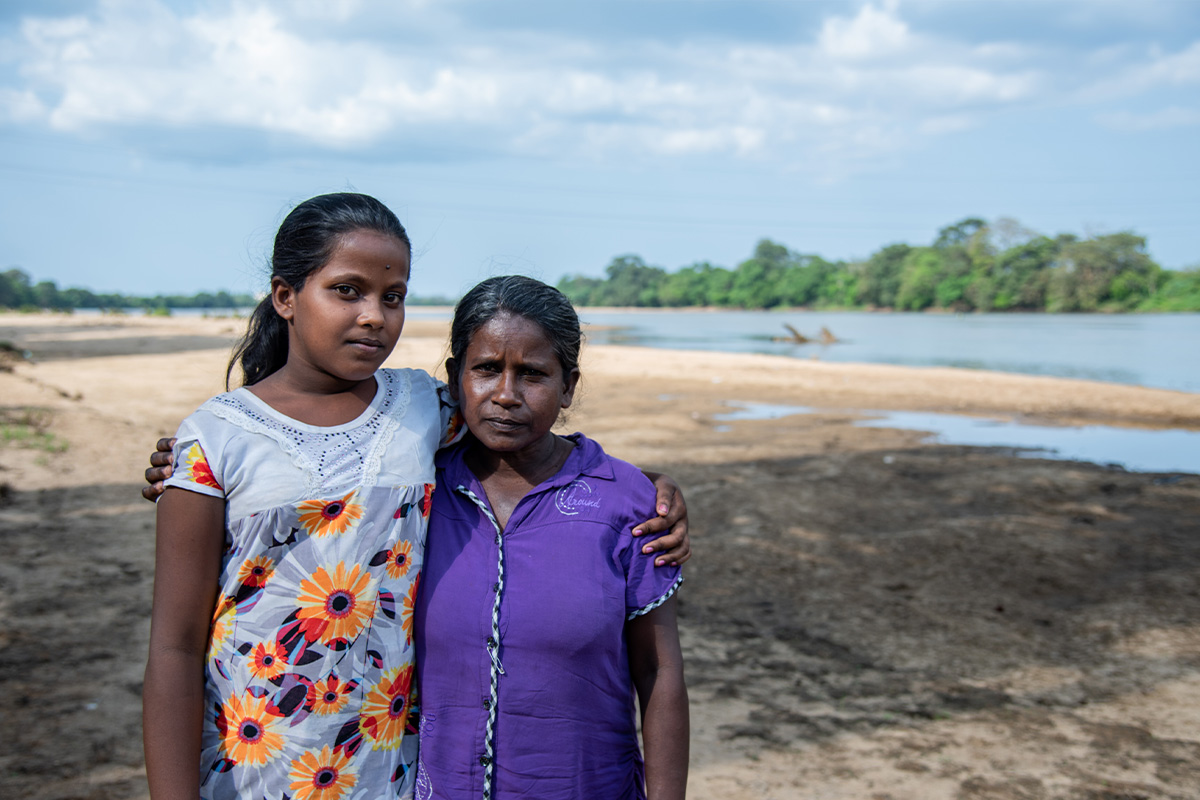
x=866 y=616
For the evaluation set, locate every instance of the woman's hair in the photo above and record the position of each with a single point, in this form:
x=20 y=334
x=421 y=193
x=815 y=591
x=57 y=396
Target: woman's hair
x=525 y=297
x=305 y=242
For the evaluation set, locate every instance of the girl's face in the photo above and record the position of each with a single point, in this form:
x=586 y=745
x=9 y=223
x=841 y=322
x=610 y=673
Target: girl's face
x=511 y=385
x=348 y=317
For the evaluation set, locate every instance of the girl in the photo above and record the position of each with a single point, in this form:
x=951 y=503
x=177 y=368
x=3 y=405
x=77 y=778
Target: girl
x=536 y=620
x=291 y=535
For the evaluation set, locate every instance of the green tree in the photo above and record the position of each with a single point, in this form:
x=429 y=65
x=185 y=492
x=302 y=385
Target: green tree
x=879 y=276
x=920 y=275
x=755 y=284
x=1178 y=291
x=1111 y=271
x=800 y=284
x=15 y=290
x=1021 y=274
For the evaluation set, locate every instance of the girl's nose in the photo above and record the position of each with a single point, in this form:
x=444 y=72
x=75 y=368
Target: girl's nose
x=370 y=313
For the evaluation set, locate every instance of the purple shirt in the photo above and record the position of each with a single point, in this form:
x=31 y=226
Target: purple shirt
x=521 y=656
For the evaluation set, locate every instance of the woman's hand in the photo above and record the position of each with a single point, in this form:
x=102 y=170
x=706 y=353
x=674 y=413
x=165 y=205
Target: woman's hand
x=674 y=547
x=160 y=469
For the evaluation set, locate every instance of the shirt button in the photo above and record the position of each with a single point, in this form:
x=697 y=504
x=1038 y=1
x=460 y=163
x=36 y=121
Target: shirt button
x=495 y=587
x=484 y=760
x=487 y=704
x=491 y=641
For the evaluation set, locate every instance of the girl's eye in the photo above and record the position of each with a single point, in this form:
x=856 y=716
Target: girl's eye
x=394 y=298
x=344 y=290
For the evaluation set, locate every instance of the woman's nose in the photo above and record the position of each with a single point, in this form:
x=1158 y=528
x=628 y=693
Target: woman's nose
x=506 y=389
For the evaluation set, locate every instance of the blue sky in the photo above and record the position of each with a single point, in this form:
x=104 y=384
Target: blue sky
x=150 y=146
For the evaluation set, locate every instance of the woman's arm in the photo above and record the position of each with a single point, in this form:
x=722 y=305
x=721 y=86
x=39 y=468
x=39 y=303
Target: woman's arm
x=187 y=566
x=656 y=665
x=674 y=547
x=159 y=470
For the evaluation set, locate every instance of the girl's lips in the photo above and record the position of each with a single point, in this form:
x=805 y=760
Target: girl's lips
x=367 y=344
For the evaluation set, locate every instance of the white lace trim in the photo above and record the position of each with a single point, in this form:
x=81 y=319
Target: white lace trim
x=332 y=457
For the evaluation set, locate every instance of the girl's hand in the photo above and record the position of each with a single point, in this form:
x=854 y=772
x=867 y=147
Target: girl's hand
x=674 y=547
x=160 y=469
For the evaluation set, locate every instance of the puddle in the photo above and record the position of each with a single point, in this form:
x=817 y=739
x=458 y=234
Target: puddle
x=1137 y=450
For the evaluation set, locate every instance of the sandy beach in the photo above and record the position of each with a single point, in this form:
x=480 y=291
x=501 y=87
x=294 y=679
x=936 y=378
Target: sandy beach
x=865 y=617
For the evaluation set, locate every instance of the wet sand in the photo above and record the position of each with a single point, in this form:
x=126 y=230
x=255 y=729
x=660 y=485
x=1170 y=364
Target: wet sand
x=866 y=616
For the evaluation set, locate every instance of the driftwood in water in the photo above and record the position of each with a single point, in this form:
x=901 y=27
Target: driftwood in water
x=796 y=338
x=824 y=337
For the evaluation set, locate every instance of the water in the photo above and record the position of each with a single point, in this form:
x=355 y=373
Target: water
x=1131 y=449
x=1158 y=350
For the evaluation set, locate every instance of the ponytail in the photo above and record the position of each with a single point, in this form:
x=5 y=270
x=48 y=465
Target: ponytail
x=264 y=347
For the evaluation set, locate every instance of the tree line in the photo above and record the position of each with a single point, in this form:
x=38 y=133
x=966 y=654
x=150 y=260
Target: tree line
x=971 y=266
x=17 y=290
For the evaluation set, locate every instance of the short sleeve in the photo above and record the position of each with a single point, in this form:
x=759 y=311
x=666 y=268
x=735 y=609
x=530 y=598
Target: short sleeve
x=646 y=586
x=453 y=425
x=193 y=465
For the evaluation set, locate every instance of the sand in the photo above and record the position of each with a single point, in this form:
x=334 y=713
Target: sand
x=866 y=616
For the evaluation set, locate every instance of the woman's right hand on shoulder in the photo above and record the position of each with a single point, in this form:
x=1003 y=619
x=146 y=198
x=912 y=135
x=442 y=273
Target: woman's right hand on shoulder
x=160 y=469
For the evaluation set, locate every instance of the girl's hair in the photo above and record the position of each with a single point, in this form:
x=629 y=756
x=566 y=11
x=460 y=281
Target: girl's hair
x=524 y=297
x=305 y=242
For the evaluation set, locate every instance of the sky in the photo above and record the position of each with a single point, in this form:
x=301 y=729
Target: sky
x=152 y=146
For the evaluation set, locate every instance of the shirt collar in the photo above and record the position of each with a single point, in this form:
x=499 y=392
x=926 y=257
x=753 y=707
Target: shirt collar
x=586 y=458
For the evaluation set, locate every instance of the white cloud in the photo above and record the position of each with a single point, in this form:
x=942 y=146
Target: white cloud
x=866 y=84
x=873 y=32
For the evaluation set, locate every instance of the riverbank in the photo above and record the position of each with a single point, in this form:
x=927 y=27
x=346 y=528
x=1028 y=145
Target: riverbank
x=866 y=616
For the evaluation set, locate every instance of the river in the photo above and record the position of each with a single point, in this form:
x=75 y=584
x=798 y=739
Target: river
x=1157 y=350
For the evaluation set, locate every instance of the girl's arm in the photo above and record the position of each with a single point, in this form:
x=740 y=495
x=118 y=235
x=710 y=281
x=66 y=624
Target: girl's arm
x=187 y=566
x=656 y=665
x=674 y=547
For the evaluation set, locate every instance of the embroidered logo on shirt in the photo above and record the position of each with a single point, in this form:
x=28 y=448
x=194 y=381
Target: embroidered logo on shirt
x=574 y=497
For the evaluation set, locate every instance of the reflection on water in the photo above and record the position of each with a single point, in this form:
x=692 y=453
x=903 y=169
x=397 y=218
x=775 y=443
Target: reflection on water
x=1133 y=449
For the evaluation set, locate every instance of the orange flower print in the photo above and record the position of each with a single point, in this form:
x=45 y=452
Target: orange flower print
x=385 y=709
x=255 y=571
x=453 y=426
x=427 y=500
x=248 y=734
x=338 y=606
x=330 y=695
x=406 y=613
x=326 y=775
x=269 y=661
x=198 y=469
x=399 y=558
x=222 y=624
x=321 y=517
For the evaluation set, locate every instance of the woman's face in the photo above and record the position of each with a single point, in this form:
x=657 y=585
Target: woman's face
x=510 y=384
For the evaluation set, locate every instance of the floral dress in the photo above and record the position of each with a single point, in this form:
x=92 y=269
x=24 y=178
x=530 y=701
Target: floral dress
x=309 y=689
